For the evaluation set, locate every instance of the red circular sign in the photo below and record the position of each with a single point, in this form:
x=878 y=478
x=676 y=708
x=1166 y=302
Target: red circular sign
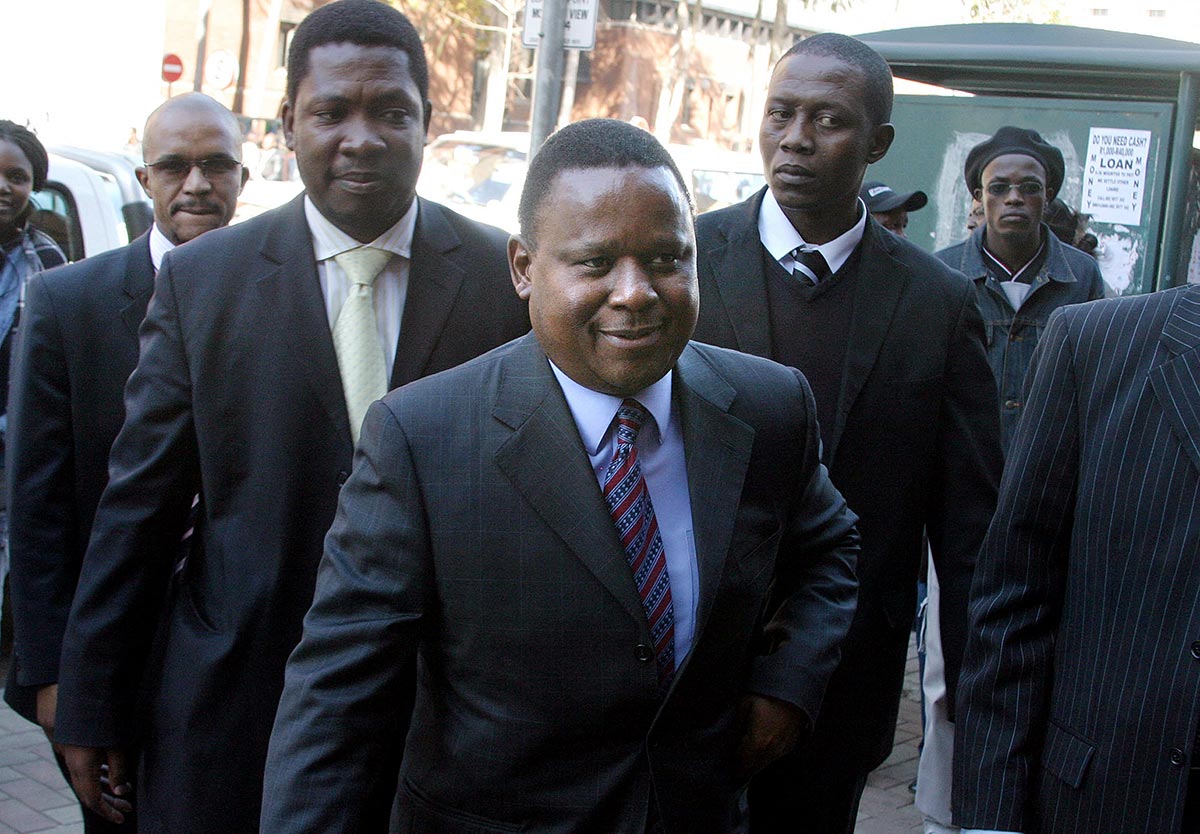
x=172 y=68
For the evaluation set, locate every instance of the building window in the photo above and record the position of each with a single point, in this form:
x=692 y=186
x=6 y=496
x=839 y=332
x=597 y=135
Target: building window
x=1099 y=12
x=1156 y=13
x=284 y=42
x=620 y=9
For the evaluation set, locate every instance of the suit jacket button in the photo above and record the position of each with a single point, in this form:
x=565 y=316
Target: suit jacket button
x=1012 y=404
x=1196 y=650
x=342 y=476
x=1177 y=756
x=642 y=652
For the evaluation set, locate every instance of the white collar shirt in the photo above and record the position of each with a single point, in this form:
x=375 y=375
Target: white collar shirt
x=780 y=238
x=1016 y=288
x=390 y=287
x=160 y=245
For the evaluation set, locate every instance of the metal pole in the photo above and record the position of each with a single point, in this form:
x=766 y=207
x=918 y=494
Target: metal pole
x=201 y=47
x=570 y=79
x=547 y=84
x=1177 y=183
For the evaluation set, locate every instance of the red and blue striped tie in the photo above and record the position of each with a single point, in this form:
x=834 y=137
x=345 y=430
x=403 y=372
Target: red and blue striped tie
x=628 y=500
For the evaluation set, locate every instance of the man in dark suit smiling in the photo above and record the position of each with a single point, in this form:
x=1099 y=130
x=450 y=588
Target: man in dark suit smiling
x=263 y=345
x=892 y=343
x=583 y=571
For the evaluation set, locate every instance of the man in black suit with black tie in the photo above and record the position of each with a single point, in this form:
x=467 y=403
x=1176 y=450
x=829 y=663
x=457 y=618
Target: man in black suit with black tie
x=76 y=348
x=263 y=345
x=1079 y=697
x=892 y=342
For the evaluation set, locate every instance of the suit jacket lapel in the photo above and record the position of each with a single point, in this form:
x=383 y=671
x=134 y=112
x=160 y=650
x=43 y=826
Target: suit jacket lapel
x=546 y=462
x=717 y=447
x=291 y=291
x=1176 y=382
x=138 y=284
x=434 y=278
x=736 y=263
x=880 y=282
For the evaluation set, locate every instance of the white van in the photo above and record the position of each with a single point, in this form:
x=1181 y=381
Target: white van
x=80 y=208
x=481 y=175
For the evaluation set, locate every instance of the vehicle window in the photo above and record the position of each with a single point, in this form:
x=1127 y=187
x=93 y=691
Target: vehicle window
x=113 y=191
x=474 y=173
x=717 y=189
x=55 y=214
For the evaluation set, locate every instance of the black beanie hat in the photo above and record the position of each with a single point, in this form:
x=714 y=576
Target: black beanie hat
x=1020 y=140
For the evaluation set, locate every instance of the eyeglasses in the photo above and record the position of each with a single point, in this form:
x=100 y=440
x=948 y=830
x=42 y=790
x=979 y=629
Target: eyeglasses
x=177 y=167
x=1028 y=188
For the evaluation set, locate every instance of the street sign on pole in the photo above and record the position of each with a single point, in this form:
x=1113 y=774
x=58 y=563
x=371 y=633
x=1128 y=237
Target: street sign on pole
x=580 y=30
x=172 y=68
x=547 y=79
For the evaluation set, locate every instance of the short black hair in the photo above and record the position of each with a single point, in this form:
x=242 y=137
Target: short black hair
x=362 y=22
x=876 y=72
x=592 y=143
x=31 y=146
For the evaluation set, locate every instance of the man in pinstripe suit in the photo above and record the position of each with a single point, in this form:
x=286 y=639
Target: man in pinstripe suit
x=1080 y=689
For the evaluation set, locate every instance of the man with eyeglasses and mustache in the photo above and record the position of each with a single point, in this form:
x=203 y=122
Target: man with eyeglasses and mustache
x=1022 y=271
x=78 y=343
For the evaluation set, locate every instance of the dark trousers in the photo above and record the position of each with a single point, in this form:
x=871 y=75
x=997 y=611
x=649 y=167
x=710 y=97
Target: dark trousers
x=1191 y=805
x=802 y=795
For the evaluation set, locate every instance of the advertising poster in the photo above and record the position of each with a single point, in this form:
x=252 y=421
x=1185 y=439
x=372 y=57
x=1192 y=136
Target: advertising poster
x=1114 y=175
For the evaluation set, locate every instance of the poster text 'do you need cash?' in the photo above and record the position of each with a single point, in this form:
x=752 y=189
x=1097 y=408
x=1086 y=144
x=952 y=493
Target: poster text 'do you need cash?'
x=1114 y=175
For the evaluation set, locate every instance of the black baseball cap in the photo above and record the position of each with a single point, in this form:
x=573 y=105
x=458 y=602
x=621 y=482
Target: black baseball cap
x=881 y=197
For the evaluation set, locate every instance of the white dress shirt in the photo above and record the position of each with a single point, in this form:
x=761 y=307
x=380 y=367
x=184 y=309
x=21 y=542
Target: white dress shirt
x=660 y=452
x=780 y=238
x=160 y=245
x=1015 y=288
x=390 y=287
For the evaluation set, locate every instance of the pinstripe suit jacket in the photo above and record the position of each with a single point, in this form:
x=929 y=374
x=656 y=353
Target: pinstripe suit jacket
x=1081 y=685
x=472 y=534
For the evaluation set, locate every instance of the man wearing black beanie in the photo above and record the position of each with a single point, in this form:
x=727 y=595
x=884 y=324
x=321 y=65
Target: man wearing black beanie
x=1022 y=272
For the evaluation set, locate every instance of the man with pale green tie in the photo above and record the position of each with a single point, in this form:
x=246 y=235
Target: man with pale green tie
x=263 y=345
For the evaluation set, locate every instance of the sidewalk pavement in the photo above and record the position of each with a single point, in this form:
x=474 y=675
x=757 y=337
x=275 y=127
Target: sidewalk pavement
x=887 y=803
x=34 y=797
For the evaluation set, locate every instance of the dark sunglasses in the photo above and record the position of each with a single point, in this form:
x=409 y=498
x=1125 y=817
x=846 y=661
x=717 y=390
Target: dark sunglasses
x=1028 y=188
x=177 y=166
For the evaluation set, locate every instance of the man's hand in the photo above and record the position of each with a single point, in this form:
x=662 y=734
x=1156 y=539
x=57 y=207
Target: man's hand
x=47 y=704
x=100 y=780
x=769 y=728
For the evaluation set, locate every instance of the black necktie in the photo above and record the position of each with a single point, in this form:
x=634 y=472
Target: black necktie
x=814 y=262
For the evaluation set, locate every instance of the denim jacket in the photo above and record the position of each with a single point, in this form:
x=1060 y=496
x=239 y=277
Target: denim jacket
x=33 y=252
x=1067 y=276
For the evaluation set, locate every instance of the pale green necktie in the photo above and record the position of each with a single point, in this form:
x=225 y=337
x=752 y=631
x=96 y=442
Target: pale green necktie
x=356 y=335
